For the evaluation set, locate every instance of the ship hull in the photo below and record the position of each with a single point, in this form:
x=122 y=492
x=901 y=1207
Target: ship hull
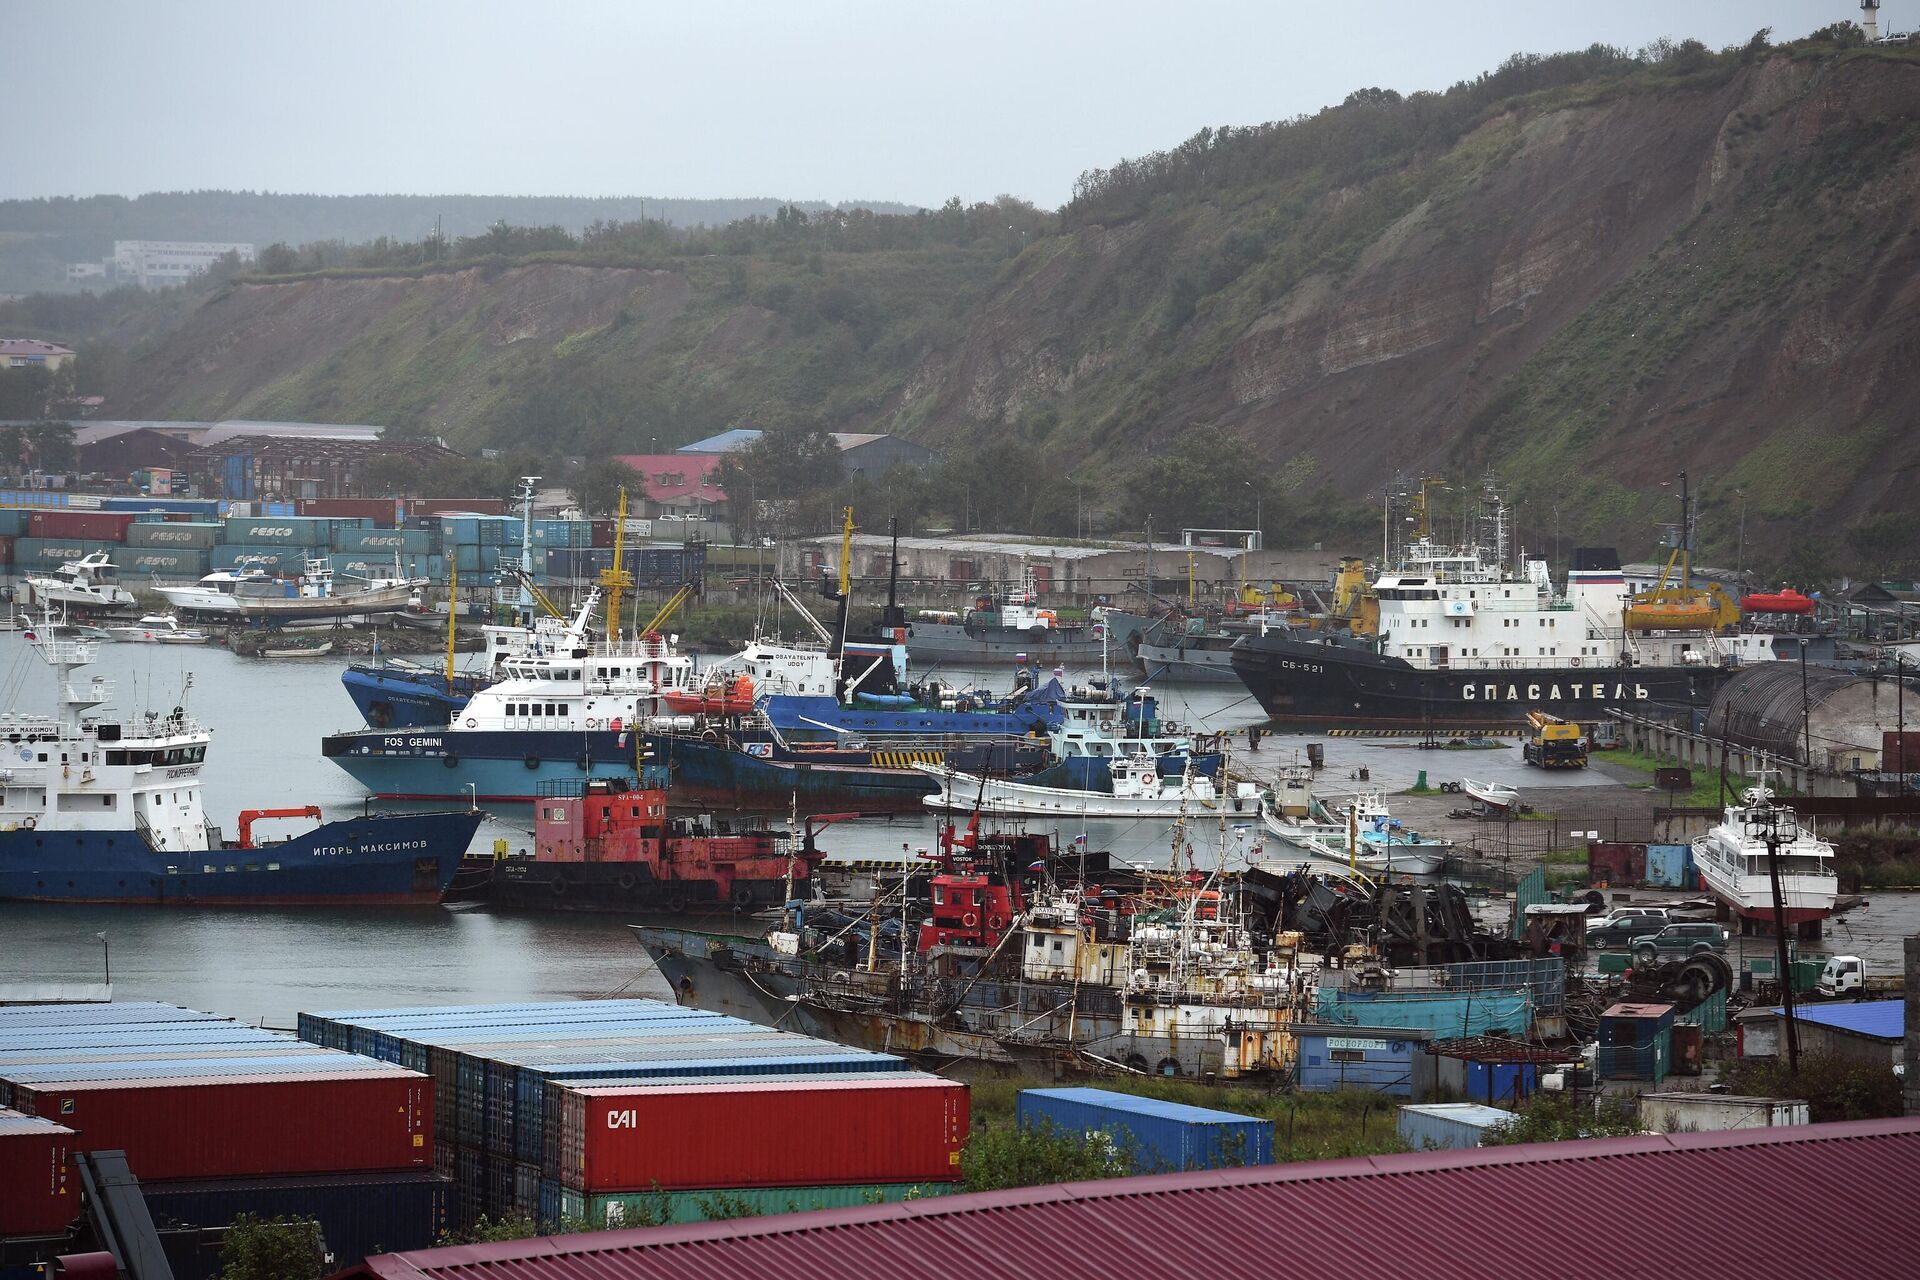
x=955 y=644
x=530 y=884
x=395 y=859
x=718 y=773
x=805 y=716
x=1303 y=682
x=397 y=698
x=1169 y=664
x=498 y=765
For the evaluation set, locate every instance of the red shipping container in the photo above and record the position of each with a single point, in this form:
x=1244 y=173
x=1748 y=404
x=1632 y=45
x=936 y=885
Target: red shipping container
x=776 y=1133
x=98 y=526
x=378 y=510
x=603 y=533
x=471 y=506
x=38 y=1194
x=200 y=1127
x=1892 y=743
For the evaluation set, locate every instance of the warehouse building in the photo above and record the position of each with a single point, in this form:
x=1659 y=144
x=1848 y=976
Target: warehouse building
x=981 y=562
x=1872 y=1032
x=1556 y=1205
x=1777 y=707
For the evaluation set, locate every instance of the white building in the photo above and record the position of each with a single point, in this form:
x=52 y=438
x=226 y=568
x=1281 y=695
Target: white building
x=155 y=264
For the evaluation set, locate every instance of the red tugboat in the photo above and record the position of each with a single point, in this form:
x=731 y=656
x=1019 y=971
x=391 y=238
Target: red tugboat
x=608 y=845
x=975 y=896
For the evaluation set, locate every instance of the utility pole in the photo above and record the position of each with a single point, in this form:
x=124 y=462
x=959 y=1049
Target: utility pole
x=1763 y=823
x=1806 y=715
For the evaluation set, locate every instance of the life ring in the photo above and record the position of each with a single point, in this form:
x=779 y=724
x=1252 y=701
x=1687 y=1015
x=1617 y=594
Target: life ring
x=593 y=724
x=558 y=886
x=532 y=762
x=625 y=882
x=970 y=919
x=29 y=822
x=710 y=735
x=742 y=896
x=471 y=722
x=450 y=760
x=1573 y=662
x=996 y=922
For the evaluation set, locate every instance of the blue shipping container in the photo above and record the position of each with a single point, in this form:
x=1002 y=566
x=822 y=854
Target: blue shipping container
x=1161 y=1136
x=383 y=542
x=360 y=1214
x=1667 y=864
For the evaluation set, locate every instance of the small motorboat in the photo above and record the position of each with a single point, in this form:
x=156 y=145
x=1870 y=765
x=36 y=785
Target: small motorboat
x=1494 y=795
x=301 y=651
x=156 y=628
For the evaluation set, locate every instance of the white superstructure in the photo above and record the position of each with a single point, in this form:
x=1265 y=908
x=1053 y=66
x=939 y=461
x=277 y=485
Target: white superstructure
x=87 y=773
x=1733 y=862
x=90 y=582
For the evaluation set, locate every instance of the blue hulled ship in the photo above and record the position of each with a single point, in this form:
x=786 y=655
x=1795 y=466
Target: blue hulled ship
x=103 y=809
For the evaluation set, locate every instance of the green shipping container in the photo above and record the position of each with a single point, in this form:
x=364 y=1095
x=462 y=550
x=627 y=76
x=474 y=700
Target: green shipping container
x=174 y=536
x=646 y=1208
x=13 y=521
x=36 y=554
x=278 y=531
x=383 y=542
x=137 y=563
x=1806 y=974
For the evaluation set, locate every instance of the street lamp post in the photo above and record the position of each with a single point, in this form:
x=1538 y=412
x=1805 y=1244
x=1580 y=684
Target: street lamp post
x=1806 y=712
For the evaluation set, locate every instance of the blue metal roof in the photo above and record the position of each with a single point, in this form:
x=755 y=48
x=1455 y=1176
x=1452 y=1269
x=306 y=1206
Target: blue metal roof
x=1884 y=1019
x=725 y=442
x=1127 y=1102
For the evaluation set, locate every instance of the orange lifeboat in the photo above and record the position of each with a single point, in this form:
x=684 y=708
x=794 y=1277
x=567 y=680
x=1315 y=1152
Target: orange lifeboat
x=1785 y=600
x=717 y=697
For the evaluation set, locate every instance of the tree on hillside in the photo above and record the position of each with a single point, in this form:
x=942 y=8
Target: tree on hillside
x=596 y=486
x=1204 y=482
x=390 y=475
x=271 y=1249
x=783 y=463
x=24 y=393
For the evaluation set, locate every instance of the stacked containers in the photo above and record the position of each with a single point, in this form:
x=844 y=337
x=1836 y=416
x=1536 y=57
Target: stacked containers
x=97 y=526
x=237 y=1110
x=526 y=1089
x=36 y=554
x=38 y=1195
x=1160 y=1137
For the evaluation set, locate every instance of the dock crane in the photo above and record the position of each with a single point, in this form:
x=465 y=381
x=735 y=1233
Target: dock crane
x=616 y=580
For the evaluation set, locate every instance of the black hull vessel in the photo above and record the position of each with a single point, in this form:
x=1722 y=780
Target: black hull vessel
x=1336 y=685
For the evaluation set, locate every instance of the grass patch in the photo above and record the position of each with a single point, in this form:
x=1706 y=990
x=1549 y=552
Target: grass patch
x=1565 y=857
x=1705 y=793
x=1306 y=1126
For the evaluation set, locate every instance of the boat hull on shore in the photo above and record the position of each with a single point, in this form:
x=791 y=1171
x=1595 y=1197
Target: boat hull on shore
x=498 y=765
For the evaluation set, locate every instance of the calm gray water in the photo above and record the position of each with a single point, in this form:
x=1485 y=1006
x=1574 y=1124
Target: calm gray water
x=266 y=965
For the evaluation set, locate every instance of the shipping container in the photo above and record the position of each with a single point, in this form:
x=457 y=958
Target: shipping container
x=380 y=513
x=476 y=560
x=1614 y=863
x=740 y=1133
x=100 y=526
x=383 y=542
x=133 y=1012
x=562 y=533
x=564 y=1209
x=577 y=563
x=175 y=535
x=13 y=521
x=466 y=506
x=278 y=531
x=1714 y=1112
x=39 y=1192
x=36 y=554
x=244 y=1125
x=137 y=563
x=1449 y=1126
x=1668 y=864
x=357 y=568
x=1158 y=1136
x=285 y=562
x=360 y=1214
x=149 y=507
x=6 y=549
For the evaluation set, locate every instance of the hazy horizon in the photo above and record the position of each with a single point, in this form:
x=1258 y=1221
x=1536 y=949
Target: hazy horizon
x=856 y=102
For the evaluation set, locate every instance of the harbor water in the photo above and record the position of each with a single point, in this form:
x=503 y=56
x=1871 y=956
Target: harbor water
x=261 y=965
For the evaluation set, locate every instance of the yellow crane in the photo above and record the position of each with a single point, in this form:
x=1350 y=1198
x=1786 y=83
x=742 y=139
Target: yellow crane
x=668 y=609
x=616 y=581
x=1554 y=743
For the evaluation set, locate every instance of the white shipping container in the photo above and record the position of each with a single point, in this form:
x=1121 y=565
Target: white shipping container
x=1713 y=1112
x=1448 y=1126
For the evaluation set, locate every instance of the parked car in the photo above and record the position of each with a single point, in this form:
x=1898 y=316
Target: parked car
x=1620 y=926
x=1678 y=941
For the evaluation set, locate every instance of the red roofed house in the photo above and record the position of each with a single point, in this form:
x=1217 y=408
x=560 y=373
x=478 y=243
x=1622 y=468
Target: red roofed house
x=677 y=484
x=27 y=353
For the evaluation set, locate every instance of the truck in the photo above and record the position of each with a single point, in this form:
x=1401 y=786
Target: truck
x=1554 y=743
x=1848 y=976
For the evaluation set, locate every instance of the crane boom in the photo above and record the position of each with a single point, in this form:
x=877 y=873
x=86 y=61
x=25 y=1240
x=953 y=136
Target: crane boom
x=616 y=580
x=668 y=609
x=532 y=588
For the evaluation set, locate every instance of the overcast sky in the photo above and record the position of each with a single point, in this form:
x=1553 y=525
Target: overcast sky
x=910 y=100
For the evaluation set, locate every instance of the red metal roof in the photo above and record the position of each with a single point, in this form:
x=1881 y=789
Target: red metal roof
x=678 y=477
x=1544 y=1209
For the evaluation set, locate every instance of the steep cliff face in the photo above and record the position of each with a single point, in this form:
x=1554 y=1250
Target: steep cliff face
x=1587 y=296
x=1587 y=290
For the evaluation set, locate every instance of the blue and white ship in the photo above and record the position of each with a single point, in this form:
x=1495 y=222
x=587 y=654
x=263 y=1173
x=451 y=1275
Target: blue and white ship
x=101 y=809
x=564 y=715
